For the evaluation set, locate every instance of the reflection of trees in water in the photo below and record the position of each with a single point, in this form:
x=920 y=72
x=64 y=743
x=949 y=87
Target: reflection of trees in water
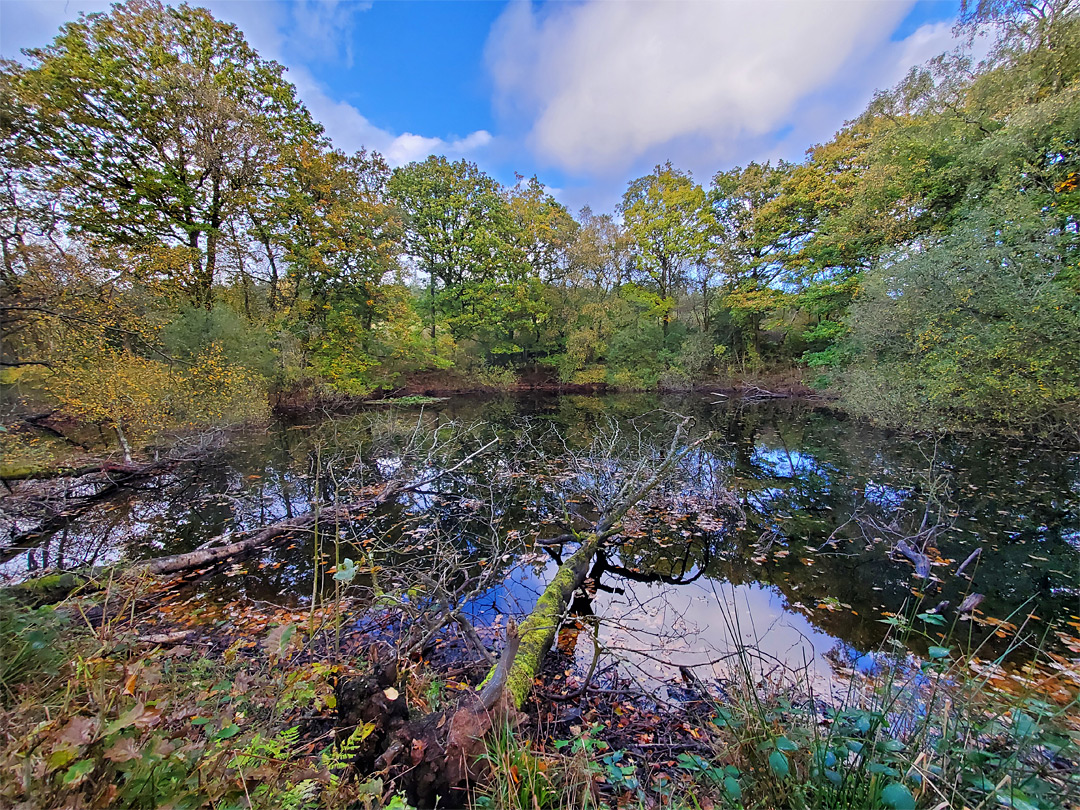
x=800 y=475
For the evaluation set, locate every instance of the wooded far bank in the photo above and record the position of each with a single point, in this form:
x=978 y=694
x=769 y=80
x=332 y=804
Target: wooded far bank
x=181 y=242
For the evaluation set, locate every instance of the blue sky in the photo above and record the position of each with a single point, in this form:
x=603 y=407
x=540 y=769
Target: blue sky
x=584 y=94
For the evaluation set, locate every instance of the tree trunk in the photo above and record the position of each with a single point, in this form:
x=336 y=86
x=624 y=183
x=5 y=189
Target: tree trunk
x=538 y=630
x=124 y=446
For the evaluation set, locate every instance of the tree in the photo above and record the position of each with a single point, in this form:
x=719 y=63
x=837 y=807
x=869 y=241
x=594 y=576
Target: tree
x=545 y=229
x=663 y=216
x=752 y=240
x=980 y=326
x=155 y=126
x=460 y=232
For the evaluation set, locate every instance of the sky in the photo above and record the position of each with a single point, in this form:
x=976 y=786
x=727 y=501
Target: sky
x=587 y=94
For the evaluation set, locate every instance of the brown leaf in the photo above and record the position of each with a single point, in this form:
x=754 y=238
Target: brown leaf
x=417 y=751
x=78 y=731
x=123 y=750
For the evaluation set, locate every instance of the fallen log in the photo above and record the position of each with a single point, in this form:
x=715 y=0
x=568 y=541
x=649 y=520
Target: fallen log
x=210 y=553
x=441 y=754
x=211 y=556
x=56 y=508
x=538 y=631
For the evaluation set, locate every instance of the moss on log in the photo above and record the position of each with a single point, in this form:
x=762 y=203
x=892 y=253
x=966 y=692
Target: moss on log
x=538 y=631
x=46 y=590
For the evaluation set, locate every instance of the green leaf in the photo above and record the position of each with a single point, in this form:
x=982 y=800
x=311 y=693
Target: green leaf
x=932 y=618
x=346 y=571
x=279 y=639
x=784 y=744
x=77 y=772
x=939 y=652
x=898 y=797
x=228 y=732
x=778 y=763
x=731 y=788
x=1024 y=725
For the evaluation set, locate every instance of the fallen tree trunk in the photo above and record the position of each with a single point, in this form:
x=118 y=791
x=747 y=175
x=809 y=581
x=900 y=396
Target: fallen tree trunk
x=215 y=554
x=440 y=754
x=538 y=631
x=52 y=509
x=211 y=554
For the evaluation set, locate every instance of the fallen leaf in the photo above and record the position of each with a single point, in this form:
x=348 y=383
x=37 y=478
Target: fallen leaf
x=78 y=731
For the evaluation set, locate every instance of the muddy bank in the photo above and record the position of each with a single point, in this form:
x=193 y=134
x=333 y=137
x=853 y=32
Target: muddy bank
x=303 y=400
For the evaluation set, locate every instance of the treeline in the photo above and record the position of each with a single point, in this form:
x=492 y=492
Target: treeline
x=179 y=237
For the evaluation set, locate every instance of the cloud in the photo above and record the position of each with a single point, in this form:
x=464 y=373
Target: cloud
x=598 y=87
x=350 y=130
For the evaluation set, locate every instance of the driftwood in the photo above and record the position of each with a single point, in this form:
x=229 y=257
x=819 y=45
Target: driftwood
x=920 y=560
x=215 y=554
x=971 y=601
x=970 y=559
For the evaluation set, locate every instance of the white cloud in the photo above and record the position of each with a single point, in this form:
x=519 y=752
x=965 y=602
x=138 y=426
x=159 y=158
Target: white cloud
x=600 y=87
x=295 y=35
x=350 y=130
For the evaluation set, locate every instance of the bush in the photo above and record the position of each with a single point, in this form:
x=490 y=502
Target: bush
x=241 y=343
x=979 y=327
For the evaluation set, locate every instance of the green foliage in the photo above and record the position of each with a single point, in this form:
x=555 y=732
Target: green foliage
x=249 y=239
x=194 y=330
x=112 y=90
x=31 y=644
x=978 y=327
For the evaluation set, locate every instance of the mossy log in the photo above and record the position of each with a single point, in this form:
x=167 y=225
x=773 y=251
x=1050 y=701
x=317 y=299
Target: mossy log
x=46 y=590
x=538 y=631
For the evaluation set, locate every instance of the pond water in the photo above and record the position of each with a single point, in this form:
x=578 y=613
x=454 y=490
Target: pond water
x=801 y=560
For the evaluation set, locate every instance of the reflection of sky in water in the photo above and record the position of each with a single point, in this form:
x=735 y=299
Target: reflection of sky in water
x=884 y=495
x=783 y=463
x=659 y=627
x=800 y=494
x=514 y=597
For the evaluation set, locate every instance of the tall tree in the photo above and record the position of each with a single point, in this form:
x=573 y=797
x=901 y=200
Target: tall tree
x=663 y=214
x=156 y=124
x=752 y=240
x=460 y=232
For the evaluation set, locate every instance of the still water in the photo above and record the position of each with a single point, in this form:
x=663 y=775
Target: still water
x=802 y=560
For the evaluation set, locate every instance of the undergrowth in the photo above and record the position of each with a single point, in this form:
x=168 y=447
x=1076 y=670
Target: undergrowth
x=94 y=717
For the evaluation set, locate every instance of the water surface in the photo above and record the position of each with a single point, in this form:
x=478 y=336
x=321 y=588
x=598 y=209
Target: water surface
x=807 y=572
